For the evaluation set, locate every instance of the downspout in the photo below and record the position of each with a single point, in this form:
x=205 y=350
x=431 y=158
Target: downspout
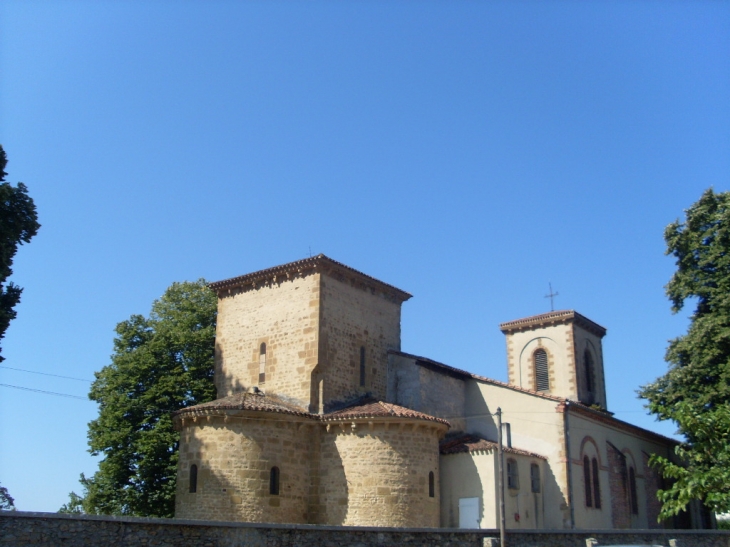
x=566 y=424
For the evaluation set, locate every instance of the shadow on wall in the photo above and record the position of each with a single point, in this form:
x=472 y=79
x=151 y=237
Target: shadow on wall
x=460 y=479
x=224 y=382
x=332 y=490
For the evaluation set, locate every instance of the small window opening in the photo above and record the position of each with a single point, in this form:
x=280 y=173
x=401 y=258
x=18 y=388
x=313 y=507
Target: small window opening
x=535 y=478
x=587 y=481
x=588 y=365
x=274 y=481
x=513 y=478
x=362 y=365
x=632 y=490
x=431 y=485
x=542 y=379
x=262 y=363
x=193 y=479
x=596 y=485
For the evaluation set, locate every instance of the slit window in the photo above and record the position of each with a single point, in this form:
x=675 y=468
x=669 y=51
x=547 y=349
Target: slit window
x=596 y=485
x=588 y=365
x=274 y=481
x=587 y=481
x=193 y=479
x=535 y=478
x=262 y=363
x=513 y=477
x=362 y=365
x=431 y=485
x=542 y=380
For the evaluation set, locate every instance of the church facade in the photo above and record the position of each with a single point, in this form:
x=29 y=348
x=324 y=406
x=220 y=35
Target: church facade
x=321 y=418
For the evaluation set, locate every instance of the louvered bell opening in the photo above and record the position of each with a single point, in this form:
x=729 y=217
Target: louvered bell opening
x=542 y=381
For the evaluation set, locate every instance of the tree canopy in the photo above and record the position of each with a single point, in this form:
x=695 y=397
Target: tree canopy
x=160 y=364
x=18 y=224
x=695 y=392
x=7 y=503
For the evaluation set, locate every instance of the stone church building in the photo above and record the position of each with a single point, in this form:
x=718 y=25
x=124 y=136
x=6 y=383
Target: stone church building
x=321 y=418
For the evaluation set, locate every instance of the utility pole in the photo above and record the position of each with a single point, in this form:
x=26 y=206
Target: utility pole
x=500 y=465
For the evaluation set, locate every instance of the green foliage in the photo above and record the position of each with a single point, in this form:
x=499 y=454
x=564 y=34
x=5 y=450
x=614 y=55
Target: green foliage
x=723 y=524
x=75 y=505
x=18 y=224
x=695 y=392
x=160 y=364
x=7 y=503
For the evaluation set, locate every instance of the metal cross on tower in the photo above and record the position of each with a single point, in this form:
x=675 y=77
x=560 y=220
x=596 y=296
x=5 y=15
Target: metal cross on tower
x=551 y=296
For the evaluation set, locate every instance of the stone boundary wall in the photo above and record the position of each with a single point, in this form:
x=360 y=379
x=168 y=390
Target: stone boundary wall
x=21 y=529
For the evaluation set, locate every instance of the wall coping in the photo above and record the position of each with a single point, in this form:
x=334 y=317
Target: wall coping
x=225 y=524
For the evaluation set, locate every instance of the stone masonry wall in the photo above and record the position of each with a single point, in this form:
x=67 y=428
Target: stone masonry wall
x=283 y=315
x=420 y=388
x=234 y=460
x=18 y=529
x=378 y=476
x=353 y=317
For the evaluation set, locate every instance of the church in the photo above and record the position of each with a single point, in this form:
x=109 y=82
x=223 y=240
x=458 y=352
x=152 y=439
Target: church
x=322 y=418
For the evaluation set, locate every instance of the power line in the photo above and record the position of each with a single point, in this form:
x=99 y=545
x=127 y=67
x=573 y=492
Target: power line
x=46 y=374
x=46 y=392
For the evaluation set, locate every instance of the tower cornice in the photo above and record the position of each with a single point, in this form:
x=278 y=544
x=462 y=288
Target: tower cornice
x=316 y=264
x=553 y=318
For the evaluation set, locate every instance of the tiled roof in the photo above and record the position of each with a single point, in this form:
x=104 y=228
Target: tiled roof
x=246 y=401
x=315 y=263
x=364 y=408
x=551 y=318
x=473 y=443
x=371 y=408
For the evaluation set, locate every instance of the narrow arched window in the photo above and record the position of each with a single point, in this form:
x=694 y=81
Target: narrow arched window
x=596 y=485
x=274 y=481
x=262 y=363
x=542 y=380
x=362 y=365
x=431 y=485
x=587 y=481
x=513 y=477
x=193 y=487
x=535 y=478
x=632 y=490
x=588 y=369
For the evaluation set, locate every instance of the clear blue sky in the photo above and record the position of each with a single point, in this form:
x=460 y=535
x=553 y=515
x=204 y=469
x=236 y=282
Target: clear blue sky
x=467 y=152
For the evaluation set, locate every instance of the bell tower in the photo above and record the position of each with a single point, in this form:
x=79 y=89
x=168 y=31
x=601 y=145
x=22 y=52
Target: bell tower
x=558 y=353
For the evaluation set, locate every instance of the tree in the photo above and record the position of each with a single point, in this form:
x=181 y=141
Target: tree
x=18 y=224
x=695 y=392
x=7 y=503
x=75 y=505
x=160 y=364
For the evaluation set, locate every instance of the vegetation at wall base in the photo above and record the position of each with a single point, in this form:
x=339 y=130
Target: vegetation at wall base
x=160 y=364
x=695 y=392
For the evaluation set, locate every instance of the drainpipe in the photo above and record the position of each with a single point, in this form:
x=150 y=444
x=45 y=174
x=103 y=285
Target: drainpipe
x=566 y=422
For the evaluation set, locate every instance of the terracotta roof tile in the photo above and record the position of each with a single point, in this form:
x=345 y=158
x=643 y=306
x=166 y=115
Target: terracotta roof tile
x=378 y=409
x=246 y=401
x=474 y=443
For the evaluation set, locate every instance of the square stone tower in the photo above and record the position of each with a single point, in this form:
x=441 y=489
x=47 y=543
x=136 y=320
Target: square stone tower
x=315 y=332
x=559 y=353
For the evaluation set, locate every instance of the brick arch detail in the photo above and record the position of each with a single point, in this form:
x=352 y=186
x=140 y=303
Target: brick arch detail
x=588 y=439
